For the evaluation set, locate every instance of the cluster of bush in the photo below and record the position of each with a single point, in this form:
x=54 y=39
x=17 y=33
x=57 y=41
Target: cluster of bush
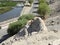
x=43 y=9
x=17 y=26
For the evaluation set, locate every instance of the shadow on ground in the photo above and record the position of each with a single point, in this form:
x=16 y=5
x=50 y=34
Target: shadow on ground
x=4 y=38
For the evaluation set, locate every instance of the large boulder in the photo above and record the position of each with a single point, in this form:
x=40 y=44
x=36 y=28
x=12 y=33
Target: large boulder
x=34 y=26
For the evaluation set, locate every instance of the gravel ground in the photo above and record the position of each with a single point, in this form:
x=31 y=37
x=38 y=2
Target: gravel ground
x=53 y=21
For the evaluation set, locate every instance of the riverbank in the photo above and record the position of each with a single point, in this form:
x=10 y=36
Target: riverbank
x=6 y=6
x=6 y=23
x=4 y=9
x=25 y=10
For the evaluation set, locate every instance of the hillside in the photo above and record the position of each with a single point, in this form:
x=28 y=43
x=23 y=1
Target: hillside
x=38 y=31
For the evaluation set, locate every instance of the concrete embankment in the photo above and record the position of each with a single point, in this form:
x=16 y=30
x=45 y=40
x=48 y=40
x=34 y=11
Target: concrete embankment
x=6 y=23
x=26 y=10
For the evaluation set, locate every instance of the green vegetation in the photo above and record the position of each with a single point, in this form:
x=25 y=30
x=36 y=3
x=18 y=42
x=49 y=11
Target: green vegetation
x=6 y=4
x=42 y=1
x=16 y=26
x=26 y=16
x=43 y=9
x=5 y=9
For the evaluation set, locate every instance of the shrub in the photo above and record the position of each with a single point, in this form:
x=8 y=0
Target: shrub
x=42 y=1
x=16 y=26
x=26 y=16
x=43 y=9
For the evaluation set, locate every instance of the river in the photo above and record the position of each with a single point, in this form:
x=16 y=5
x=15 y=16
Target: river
x=15 y=12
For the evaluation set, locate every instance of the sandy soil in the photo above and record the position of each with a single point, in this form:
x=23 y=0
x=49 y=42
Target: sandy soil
x=40 y=39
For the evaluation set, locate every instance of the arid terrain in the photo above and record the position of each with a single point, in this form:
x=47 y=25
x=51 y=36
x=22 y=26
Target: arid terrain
x=49 y=34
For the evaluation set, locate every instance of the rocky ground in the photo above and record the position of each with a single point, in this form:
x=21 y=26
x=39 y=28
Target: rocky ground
x=40 y=36
x=53 y=21
x=50 y=35
x=41 y=39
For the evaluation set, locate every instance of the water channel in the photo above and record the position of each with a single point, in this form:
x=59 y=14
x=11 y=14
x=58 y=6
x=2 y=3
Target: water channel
x=15 y=12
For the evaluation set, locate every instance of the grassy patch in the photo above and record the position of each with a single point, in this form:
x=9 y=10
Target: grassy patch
x=6 y=6
x=4 y=9
x=26 y=16
x=9 y=3
x=16 y=26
